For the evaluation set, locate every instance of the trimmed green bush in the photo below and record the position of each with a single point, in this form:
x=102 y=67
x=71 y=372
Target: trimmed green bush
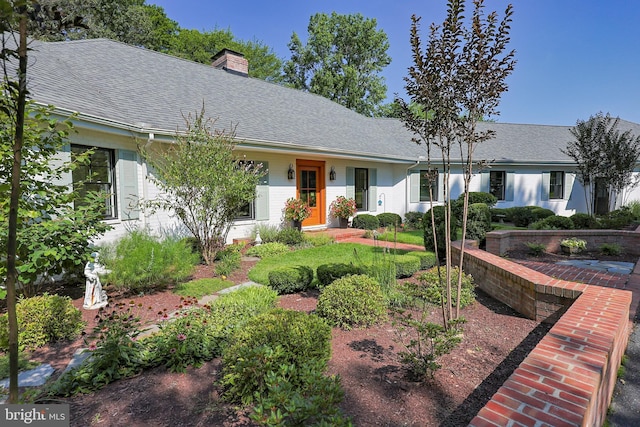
x=535 y=249
x=555 y=222
x=42 y=319
x=266 y=342
x=140 y=261
x=498 y=214
x=352 y=301
x=289 y=280
x=521 y=216
x=478 y=222
x=427 y=259
x=406 y=265
x=541 y=213
x=432 y=291
x=611 y=249
x=389 y=219
x=365 y=222
x=413 y=220
x=582 y=221
x=267 y=250
x=617 y=219
x=439 y=215
x=327 y=273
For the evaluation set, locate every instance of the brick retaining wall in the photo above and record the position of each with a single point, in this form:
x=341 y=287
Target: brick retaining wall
x=502 y=241
x=569 y=377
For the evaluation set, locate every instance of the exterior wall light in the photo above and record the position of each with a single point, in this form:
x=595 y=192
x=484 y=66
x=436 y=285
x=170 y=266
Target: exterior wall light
x=291 y=174
x=332 y=174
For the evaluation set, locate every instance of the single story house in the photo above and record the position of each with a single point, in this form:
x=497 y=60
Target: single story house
x=124 y=96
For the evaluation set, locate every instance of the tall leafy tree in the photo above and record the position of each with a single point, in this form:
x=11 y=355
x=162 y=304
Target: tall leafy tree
x=203 y=182
x=603 y=154
x=34 y=207
x=341 y=61
x=458 y=79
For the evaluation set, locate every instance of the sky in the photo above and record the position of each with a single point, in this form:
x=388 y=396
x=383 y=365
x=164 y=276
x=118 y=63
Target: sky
x=575 y=58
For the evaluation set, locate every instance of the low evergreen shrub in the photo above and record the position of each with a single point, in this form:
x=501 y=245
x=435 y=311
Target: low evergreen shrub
x=406 y=265
x=498 y=214
x=617 y=219
x=289 y=280
x=541 y=213
x=327 y=273
x=583 y=221
x=41 y=320
x=521 y=216
x=352 y=301
x=365 y=222
x=266 y=342
x=535 y=249
x=427 y=259
x=389 y=219
x=413 y=220
x=555 y=222
x=478 y=222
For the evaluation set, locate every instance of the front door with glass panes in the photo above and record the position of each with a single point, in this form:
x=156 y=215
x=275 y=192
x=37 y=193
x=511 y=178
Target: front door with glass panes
x=310 y=188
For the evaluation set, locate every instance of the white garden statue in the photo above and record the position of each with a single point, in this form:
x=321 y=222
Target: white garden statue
x=94 y=296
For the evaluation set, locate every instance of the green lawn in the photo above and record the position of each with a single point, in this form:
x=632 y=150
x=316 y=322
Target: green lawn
x=313 y=257
x=413 y=237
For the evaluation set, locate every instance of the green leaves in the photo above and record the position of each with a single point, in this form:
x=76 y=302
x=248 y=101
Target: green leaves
x=341 y=61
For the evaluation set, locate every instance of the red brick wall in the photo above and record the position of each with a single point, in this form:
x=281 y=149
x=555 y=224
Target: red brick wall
x=568 y=378
x=503 y=241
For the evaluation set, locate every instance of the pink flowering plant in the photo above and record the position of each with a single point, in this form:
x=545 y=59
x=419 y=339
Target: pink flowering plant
x=185 y=339
x=342 y=207
x=296 y=210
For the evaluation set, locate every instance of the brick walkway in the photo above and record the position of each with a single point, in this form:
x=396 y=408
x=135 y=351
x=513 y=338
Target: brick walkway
x=576 y=274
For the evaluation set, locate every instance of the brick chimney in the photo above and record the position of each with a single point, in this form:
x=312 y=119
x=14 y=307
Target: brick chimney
x=231 y=61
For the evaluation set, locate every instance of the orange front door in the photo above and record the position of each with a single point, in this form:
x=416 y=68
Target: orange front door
x=310 y=188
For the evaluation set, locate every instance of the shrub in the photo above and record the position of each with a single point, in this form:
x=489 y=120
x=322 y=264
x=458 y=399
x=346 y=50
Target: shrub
x=433 y=291
x=521 y=216
x=314 y=401
x=536 y=249
x=481 y=197
x=228 y=262
x=266 y=342
x=634 y=208
x=389 y=219
x=140 y=261
x=365 y=222
x=617 y=219
x=327 y=273
x=574 y=242
x=541 y=213
x=427 y=259
x=186 y=340
x=413 y=220
x=352 y=301
x=478 y=222
x=268 y=250
x=555 y=222
x=611 y=249
x=289 y=280
x=231 y=310
x=584 y=221
x=439 y=215
x=290 y=236
x=406 y=265
x=42 y=319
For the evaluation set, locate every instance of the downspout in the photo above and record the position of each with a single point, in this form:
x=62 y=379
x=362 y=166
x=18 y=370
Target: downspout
x=145 y=171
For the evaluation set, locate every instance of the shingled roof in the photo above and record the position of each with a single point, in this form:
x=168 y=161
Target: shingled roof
x=137 y=88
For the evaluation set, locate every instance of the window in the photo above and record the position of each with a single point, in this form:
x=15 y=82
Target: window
x=428 y=178
x=556 y=185
x=497 y=181
x=361 y=189
x=248 y=210
x=97 y=175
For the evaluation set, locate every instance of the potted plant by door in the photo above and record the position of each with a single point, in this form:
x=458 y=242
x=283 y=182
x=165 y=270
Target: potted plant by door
x=296 y=211
x=342 y=208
